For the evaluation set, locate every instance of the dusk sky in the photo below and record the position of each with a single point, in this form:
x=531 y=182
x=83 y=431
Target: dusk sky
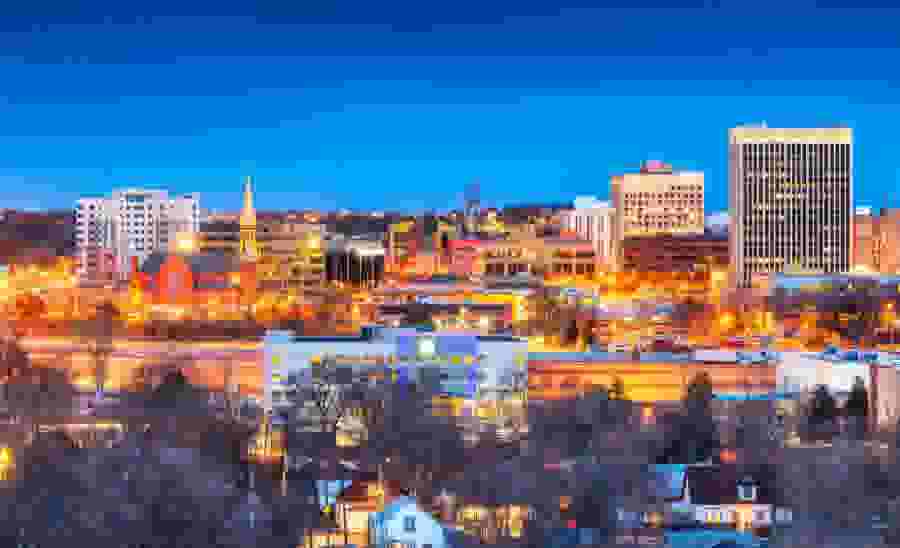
x=398 y=105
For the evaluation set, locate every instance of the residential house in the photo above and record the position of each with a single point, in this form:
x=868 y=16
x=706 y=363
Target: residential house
x=356 y=504
x=327 y=478
x=402 y=524
x=504 y=502
x=724 y=496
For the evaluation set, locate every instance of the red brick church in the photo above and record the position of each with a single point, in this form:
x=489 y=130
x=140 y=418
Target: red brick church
x=198 y=279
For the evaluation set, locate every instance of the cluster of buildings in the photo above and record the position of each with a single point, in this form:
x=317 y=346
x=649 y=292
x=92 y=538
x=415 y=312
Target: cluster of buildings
x=790 y=205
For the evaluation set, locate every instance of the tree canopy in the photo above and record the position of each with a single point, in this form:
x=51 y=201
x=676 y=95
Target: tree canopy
x=858 y=402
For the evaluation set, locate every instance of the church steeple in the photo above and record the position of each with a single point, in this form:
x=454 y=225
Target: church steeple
x=248 y=225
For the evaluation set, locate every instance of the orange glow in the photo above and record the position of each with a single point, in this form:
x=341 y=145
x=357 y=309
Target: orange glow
x=728 y=456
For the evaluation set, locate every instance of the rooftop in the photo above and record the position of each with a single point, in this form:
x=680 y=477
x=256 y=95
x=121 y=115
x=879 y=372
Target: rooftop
x=371 y=334
x=197 y=262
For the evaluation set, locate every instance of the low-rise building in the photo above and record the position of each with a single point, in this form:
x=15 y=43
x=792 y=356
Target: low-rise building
x=485 y=318
x=472 y=363
x=549 y=256
x=676 y=253
x=876 y=239
x=291 y=251
x=354 y=262
x=403 y=523
x=197 y=280
x=726 y=498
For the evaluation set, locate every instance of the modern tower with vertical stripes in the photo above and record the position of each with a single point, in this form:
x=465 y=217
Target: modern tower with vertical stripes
x=791 y=201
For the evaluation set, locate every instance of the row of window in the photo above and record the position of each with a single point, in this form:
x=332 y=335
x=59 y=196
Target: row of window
x=712 y=516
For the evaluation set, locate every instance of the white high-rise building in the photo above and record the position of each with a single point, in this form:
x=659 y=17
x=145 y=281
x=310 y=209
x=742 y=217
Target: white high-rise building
x=593 y=220
x=790 y=200
x=133 y=223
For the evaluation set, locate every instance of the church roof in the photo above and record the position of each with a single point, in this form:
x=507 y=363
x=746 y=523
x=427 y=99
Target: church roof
x=199 y=263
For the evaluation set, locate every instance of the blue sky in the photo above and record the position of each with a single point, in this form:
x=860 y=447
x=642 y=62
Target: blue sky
x=398 y=105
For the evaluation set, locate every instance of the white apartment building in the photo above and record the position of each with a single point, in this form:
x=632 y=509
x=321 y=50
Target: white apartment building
x=593 y=220
x=790 y=200
x=133 y=223
x=656 y=200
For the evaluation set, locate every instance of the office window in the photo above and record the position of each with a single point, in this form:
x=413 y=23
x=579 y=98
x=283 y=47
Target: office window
x=409 y=524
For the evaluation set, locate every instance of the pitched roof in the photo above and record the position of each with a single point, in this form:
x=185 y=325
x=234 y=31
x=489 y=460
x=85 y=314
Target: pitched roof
x=717 y=485
x=197 y=262
x=330 y=470
x=391 y=509
x=359 y=491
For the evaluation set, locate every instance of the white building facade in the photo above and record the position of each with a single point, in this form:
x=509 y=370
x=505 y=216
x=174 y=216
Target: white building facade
x=133 y=223
x=656 y=200
x=593 y=220
x=403 y=524
x=474 y=365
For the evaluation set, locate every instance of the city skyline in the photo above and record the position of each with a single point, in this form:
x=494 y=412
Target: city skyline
x=398 y=108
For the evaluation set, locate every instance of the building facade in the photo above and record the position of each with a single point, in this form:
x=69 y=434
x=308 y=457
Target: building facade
x=675 y=253
x=288 y=250
x=875 y=240
x=593 y=221
x=355 y=262
x=212 y=281
x=474 y=364
x=403 y=240
x=548 y=256
x=790 y=199
x=133 y=223
x=656 y=200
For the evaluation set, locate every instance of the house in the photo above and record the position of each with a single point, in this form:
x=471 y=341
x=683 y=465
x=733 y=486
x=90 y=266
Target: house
x=402 y=524
x=724 y=496
x=705 y=538
x=496 y=503
x=327 y=478
x=356 y=504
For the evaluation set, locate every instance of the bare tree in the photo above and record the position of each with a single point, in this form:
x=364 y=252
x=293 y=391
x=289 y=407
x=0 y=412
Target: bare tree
x=99 y=340
x=137 y=494
x=38 y=394
x=331 y=391
x=830 y=490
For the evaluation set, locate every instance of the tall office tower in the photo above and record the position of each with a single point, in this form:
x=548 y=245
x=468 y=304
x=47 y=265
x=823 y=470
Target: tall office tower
x=133 y=223
x=593 y=220
x=656 y=200
x=791 y=201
